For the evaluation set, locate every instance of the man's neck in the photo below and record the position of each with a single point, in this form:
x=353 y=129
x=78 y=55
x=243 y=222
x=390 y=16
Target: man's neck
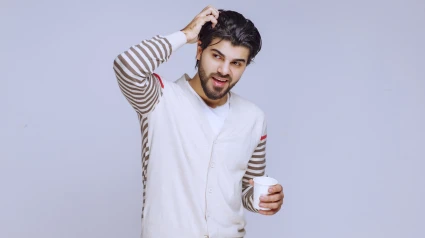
x=195 y=83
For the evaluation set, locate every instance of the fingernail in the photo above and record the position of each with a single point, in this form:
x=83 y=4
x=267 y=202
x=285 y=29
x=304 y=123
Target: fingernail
x=270 y=190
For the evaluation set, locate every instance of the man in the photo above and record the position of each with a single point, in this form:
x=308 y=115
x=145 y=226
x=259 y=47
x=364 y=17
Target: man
x=201 y=143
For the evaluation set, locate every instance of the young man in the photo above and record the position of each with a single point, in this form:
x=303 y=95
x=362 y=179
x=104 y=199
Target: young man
x=201 y=143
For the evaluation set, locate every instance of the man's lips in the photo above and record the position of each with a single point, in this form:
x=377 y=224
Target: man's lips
x=219 y=82
x=220 y=79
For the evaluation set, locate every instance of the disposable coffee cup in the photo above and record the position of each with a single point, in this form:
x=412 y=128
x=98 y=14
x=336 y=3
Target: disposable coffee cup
x=261 y=188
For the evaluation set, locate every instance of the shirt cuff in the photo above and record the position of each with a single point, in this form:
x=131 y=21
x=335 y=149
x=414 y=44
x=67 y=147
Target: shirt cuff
x=177 y=40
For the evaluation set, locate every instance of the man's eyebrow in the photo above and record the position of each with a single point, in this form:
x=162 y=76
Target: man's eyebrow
x=221 y=54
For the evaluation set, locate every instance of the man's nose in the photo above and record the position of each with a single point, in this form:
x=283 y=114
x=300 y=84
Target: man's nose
x=224 y=69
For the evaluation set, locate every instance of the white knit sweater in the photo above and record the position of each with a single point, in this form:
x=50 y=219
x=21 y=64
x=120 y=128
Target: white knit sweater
x=195 y=182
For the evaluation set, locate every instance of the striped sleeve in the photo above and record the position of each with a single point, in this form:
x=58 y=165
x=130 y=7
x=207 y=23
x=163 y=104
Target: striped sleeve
x=134 y=70
x=256 y=167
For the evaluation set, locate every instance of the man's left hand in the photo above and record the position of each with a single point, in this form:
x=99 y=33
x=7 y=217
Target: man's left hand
x=273 y=201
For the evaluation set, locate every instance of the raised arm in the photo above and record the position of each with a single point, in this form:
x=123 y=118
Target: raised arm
x=135 y=68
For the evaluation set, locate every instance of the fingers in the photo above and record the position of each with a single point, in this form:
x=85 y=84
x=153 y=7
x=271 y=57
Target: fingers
x=215 y=12
x=268 y=212
x=209 y=10
x=206 y=19
x=272 y=205
x=251 y=182
x=212 y=19
x=276 y=189
x=272 y=198
x=272 y=201
x=209 y=14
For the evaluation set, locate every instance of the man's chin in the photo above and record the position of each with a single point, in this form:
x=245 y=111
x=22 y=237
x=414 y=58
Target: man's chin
x=215 y=96
x=215 y=93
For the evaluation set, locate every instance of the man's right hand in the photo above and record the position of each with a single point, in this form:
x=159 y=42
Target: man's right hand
x=194 y=27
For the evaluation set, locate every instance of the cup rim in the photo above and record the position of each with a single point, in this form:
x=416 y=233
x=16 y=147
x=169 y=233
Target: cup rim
x=263 y=180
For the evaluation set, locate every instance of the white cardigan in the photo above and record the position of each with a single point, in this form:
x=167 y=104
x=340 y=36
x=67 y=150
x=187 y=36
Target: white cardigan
x=195 y=182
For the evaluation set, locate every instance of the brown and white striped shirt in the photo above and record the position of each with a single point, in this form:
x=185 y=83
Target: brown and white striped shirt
x=195 y=181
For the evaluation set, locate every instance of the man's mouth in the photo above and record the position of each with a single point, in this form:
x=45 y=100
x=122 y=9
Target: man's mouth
x=220 y=79
x=219 y=82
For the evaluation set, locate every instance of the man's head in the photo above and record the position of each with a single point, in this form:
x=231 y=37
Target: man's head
x=225 y=51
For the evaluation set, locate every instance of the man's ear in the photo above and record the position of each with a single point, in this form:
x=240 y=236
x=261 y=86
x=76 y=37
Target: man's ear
x=198 y=50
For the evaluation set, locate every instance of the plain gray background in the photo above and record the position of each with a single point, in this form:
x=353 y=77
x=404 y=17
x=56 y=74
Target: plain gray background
x=342 y=83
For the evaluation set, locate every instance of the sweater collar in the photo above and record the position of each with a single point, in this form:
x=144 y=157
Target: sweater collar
x=199 y=103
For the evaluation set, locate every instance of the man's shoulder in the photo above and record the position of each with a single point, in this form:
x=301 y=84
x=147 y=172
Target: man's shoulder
x=247 y=105
x=171 y=84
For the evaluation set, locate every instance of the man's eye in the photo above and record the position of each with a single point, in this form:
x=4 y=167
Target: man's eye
x=217 y=56
x=236 y=63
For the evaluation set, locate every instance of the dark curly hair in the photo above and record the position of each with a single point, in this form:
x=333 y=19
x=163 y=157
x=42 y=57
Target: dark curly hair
x=234 y=27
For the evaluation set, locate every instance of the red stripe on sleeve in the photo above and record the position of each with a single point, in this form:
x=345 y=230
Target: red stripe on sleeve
x=263 y=137
x=160 y=80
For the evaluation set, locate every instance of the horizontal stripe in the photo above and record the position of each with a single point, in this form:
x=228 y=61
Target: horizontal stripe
x=134 y=71
x=256 y=168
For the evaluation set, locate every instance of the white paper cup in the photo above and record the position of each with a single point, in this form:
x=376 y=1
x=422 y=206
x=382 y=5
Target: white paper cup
x=261 y=187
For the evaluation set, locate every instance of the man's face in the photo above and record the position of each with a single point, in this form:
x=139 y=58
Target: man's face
x=221 y=65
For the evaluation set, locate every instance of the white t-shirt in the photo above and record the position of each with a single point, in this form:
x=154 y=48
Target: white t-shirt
x=217 y=116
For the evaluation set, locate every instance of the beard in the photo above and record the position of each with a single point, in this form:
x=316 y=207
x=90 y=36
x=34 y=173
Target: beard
x=213 y=93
